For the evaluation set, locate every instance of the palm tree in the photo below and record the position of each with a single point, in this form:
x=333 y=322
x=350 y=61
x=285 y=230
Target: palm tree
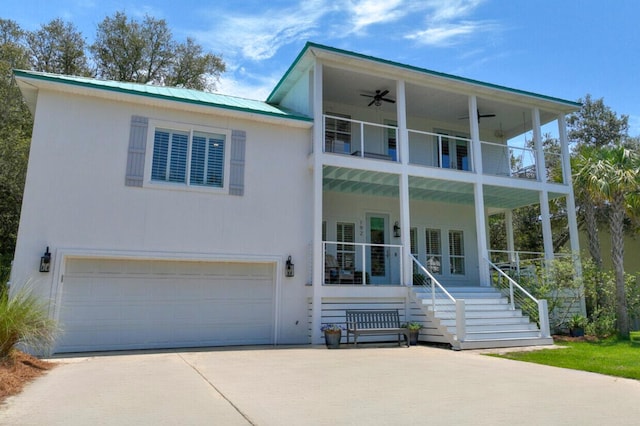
x=611 y=175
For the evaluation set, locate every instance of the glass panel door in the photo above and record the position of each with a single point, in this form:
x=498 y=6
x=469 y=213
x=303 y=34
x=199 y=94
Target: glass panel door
x=377 y=262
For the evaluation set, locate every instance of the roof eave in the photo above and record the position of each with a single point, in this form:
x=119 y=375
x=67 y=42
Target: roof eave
x=320 y=51
x=30 y=82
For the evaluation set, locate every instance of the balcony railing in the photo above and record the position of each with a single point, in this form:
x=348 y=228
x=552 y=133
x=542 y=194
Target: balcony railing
x=360 y=138
x=356 y=138
x=362 y=263
x=439 y=150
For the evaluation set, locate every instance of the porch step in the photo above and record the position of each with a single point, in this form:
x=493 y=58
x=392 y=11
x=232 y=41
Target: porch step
x=490 y=321
x=501 y=343
x=494 y=321
x=479 y=313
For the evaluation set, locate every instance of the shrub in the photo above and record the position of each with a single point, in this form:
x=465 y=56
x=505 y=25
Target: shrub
x=24 y=319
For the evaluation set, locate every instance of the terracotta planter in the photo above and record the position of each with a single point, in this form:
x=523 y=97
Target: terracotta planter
x=332 y=339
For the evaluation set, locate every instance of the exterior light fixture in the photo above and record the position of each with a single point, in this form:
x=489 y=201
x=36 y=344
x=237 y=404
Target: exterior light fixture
x=396 y=230
x=45 y=261
x=288 y=268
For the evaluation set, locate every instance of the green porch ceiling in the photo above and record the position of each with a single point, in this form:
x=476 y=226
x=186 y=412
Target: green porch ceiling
x=366 y=182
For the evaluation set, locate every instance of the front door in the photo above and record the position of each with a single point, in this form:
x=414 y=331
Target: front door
x=377 y=254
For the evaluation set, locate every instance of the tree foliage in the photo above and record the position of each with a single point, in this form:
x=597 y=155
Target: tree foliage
x=610 y=175
x=595 y=124
x=145 y=52
x=58 y=47
x=15 y=134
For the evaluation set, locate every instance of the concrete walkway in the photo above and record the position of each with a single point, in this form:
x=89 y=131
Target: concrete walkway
x=316 y=386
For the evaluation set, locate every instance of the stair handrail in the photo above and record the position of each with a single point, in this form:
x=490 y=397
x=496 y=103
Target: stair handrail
x=543 y=309
x=433 y=280
x=512 y=283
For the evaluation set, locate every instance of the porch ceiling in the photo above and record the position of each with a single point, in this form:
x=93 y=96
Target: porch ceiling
x=342 y=179
x=366 y=182
x=345 y=87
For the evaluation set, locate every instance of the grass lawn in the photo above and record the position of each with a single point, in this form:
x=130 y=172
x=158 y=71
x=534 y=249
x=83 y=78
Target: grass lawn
x=612 y=357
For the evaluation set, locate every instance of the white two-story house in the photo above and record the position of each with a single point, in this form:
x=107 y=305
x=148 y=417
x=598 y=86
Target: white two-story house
x=157 y=217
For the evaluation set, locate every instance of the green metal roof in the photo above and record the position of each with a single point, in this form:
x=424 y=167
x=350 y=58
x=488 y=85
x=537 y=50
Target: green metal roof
x=175 y=94
x=310 y=45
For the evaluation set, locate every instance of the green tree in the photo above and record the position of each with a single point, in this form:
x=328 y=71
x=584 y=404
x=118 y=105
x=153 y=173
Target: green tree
x=610 y=174
x=194 y=69
x=15 y=135
x=595 y=124
x=58 y=47
x=145 y=52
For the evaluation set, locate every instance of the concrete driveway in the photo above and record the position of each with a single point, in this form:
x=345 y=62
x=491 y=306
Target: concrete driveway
x=316 y=386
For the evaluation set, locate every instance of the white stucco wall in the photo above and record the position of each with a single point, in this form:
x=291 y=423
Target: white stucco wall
x=75 y=198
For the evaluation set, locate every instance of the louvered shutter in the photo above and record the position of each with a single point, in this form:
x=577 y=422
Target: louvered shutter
x=137 y=146
x=236 y=172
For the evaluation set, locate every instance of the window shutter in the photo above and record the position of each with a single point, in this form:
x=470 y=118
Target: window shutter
x=236 y=180
x=137 y=147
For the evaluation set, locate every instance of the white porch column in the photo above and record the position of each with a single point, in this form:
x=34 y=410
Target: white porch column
x=478 y=190
x=547 y=235
x=405 y=212
x=481 y=234
x=511 y=246
x=570 y=199
x=541 y=168
x=318 y=255
x=474 y=128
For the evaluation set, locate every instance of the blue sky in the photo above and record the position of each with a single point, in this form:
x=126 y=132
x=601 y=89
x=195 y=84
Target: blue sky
x=561 y=48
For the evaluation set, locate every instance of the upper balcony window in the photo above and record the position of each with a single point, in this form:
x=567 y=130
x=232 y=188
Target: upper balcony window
x=337 y=134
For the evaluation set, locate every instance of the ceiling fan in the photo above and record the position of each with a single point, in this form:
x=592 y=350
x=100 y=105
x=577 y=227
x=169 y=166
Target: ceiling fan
x=378 y=98
x=479 y=116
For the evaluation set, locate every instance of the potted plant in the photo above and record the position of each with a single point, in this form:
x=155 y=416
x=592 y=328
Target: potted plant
x=576 y=325
x=332 y=335
x=414 y=331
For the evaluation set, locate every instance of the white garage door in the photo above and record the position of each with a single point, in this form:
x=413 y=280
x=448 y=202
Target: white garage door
x=133 y=304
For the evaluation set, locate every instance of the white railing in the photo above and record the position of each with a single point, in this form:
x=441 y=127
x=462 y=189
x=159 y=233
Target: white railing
x=361 y=139
x=506 y=160
x=518 y=297
x=347 y=136
x=442 y=300
x=362 y=263
x=435 y=150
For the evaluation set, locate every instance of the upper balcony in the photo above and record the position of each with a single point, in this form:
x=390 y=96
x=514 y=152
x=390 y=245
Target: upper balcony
x=361 y=113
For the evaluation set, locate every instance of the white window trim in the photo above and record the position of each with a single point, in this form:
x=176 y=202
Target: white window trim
x=189 y=128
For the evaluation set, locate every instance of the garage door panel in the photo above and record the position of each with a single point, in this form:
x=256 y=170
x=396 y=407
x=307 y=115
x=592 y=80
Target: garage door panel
x=130 y=304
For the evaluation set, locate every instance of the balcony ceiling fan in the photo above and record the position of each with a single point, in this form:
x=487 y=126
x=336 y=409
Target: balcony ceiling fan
x=479 y=116
x=378 y=98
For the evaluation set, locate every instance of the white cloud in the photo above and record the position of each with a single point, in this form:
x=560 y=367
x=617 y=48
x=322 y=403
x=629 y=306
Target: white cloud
x=370 y=12
x=450 y=33
x=259 y=36
x=445 y=25
x=451 y=9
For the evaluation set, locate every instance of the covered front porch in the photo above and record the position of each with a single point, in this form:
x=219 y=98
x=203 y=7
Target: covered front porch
x=425 y=253
x=365 y=240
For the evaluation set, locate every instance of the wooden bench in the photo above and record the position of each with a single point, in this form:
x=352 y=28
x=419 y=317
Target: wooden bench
x=378 y=322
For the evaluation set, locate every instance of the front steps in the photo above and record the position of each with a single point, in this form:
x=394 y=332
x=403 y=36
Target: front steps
x=490 y=321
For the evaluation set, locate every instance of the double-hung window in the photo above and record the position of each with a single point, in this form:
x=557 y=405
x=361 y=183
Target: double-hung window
x=190 y=157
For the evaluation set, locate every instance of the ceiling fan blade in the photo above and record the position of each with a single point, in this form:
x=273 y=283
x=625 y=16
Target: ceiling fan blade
x=381 y=94
x=368 y=96
x=486 y=115
x=372 y=102
x=389 y=100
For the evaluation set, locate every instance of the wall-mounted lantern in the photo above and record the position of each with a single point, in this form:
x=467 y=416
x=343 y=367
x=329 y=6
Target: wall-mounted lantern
x=45 y=261
x=288 y=268
x=396 y=230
